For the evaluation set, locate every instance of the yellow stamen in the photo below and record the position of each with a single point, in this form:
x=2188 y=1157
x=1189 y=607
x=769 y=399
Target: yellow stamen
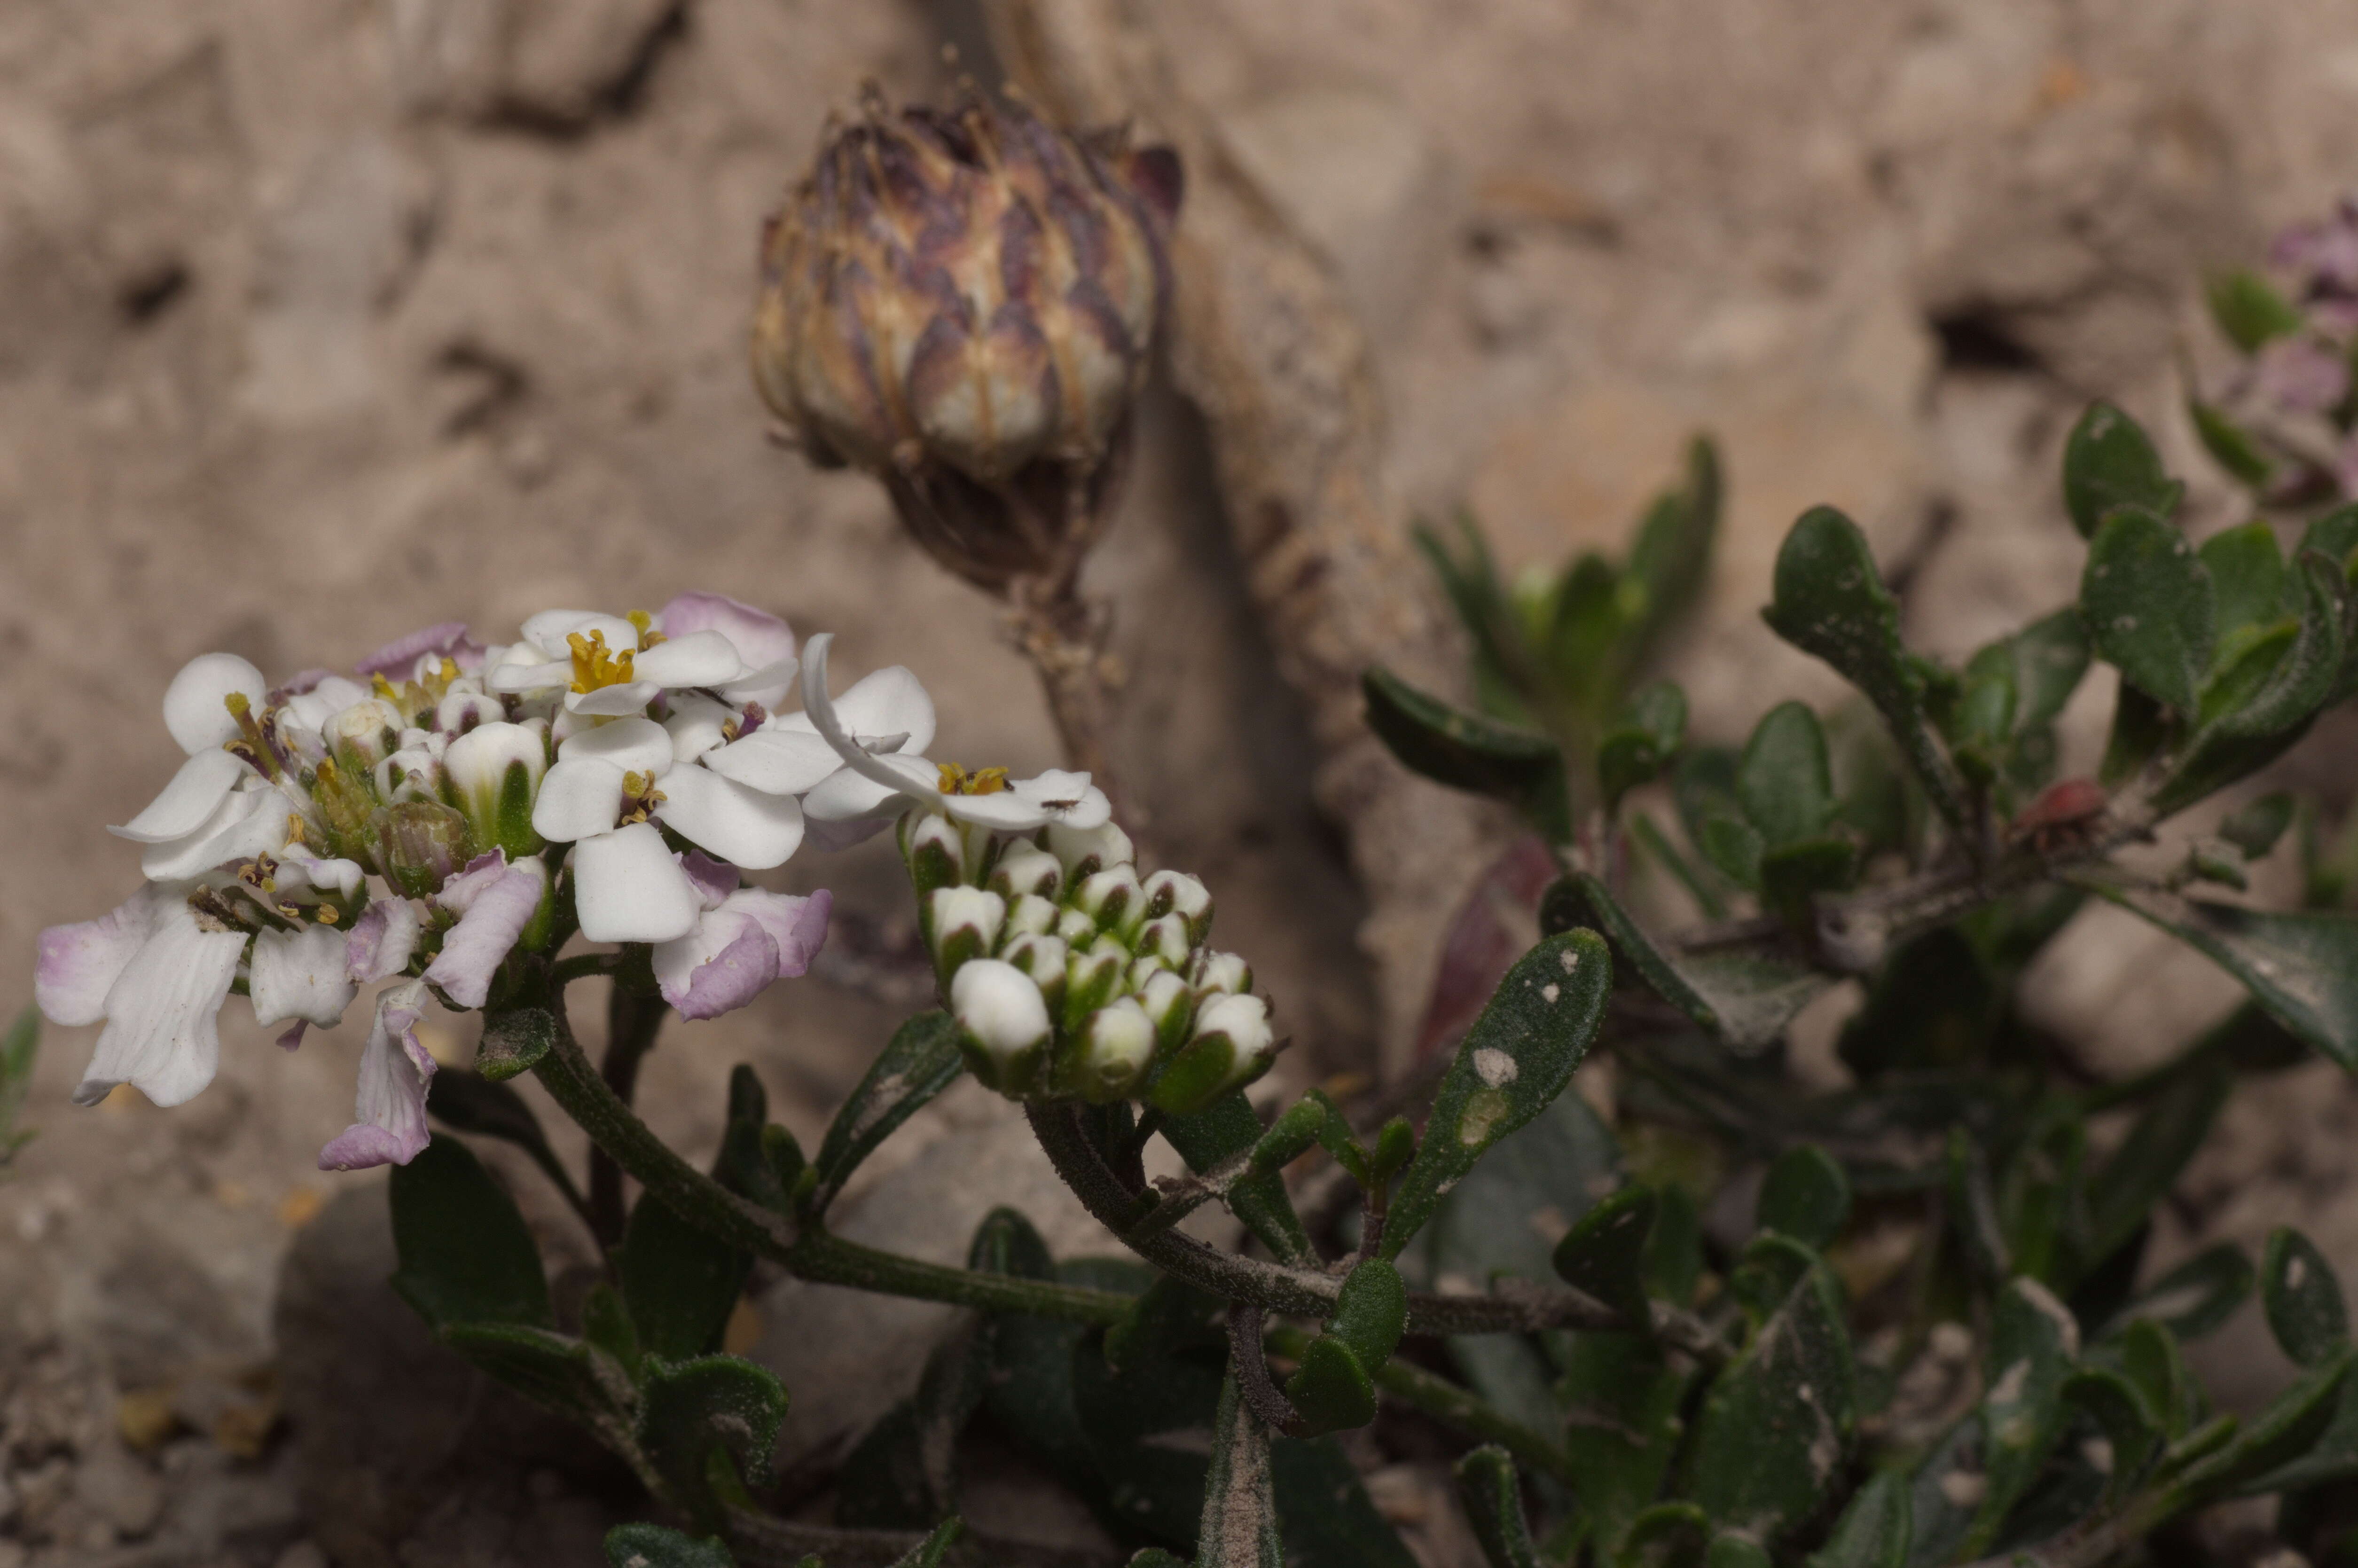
x=596 y=665
x=956 y=780
x=327 y=914
x=384 y=687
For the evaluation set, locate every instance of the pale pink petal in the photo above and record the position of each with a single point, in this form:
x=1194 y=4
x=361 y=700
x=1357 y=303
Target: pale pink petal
x=399 y=657
x=797 y=923
x=496 y=914
x=389 y=1108
x=292 y=1040
x=162 y=1030
x=627 y=887
x=714 y=880
x=383 y=941
x=301 y=974
x=717 y=968
x=759 y=638
x=79 y=964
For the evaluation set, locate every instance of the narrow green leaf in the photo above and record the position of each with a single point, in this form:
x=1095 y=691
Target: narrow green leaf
x=466 y=1254
x=1792 y=875
x=1828 y=601
x=1670 y=556
x=1620 y=1399
x=2302 y=969
x=2248 y=309
x=2033 y=1346
x=19 y=1047
x=1331 y=1390
x=2280 y=1435
x=469 y=1102
x=1776 y=1426
x=2151 y=608
x=920 y=1062
x=680 y=1283
x=1487 y=1485
x=1462 y=749
x=2141 y=726
x=2108 y=462
x=1516 y=1059
x=1668 y=1535
x=1733 y=846
x=2302 y=1298
x=2194 y=1298
x=1605 y=1253
x=653 y=1546
x=1220 y=1131
x=2230 y=444
x=696 y=1417
x=2050 y=657
x=1874 y=1531
x=1240 y=1523
x=1745 y=995
x=1642 y=740
x=2154 y=1363
x=1784 y=779
x=1736 y=1552
x=2146 y=1164
x=758 y=1159
x=1805 y=1197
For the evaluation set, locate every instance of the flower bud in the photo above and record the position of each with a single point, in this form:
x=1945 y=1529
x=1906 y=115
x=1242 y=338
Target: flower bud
x=1092 y=979
x=1026 y=870
x=413 y=772
x=1109 y=1055
x=1002 y=1023
x=495 y=769
x=962 y=924
x=1086 y=851
x=963 y=303
x=363 y=735
x=1169 y=1007
x=1044 y=958
x=1232 y=1046
x=1029 y=914
x=1222 y=974
x=1076 y=928
x=934 y=853
x=1112 y=899
x=462 y=712
x=1165 y=940
x=420 y=845
x=1176 y=893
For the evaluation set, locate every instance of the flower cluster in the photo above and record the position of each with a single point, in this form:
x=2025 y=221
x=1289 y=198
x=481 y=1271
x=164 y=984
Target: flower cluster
x=452 y=806
x=1068 y=975
x=2286 y=420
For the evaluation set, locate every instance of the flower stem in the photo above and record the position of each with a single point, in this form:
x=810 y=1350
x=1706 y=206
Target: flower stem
x=633 y=1022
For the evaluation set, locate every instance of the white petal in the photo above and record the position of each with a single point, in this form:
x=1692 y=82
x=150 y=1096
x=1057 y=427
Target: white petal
x=607 y=701
x=525 y=675
x=548 y=631
x=389 y=1106
x=80 y=963
x=888 y=701
x=1003 y=812
x=580 y=796
x=847 y=796
x=383 y=941
x=249 y=823
x=301 y=974
x=745 y=826
x=768 y=686
x=186 y=804
x=1066 y=797
x=195 y=708
x=700 y=658
x=695 y=726
x=627 y=887
x=162 y=1028
x=776 y=762
x=635 y=745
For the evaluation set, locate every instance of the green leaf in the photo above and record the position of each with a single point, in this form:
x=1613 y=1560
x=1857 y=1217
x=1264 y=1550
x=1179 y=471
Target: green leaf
x=2302 y=1298
x=2196 y=1297
x=1933 y=1004
x=1736 y=1552
x=2033 y=1345
x=903 y=1475
x=1828 y=601
x=680 y=1283
x=1784 y=780
x=1642 y=741
x=1331 y=1390
x=1670 y=556
x=1516 y=1059
x=2302 y=969
x=1620 y=1423
x=1733 y=846
x=2140 y=728
x=2247 y=567
x=514 y=1040
x=2151 y=1359
x=466 y=1254
x=2253 y=828
x=2151 y=608
x=1873 y=1531
x=1240 y=1523
x=1743 y=995
x=2230 y=445
x=2280 y=1435
x=1465 y=751
x=758 y=1160
x=2249 y=309
x=2132 y=1430
x=18 y=1049
x=1668 y=1535
x=2146 y=1164
x=1805 y=1197
x=699 y=1419
x=2050 y=657
x=2108 y=462
x=1220 y=1131
x=1605 y=1253
x=1487 y=1485
x=653 y=1546
x=920 y=1062
x=934 y=1550
x=468 y=1102
x=1776 y=1425
x=1371 y=1312
x=1794 y=874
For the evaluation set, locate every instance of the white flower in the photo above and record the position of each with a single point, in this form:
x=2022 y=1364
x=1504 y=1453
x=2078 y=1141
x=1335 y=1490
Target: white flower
x=159 y=977
x=607 y=668
x=886 y=781
x=300 y=975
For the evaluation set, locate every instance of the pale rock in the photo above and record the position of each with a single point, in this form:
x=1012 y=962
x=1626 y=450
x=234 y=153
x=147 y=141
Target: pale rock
x=119 y=1489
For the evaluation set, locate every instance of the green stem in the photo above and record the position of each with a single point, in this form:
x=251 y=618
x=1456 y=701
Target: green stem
x=633 y=1022
x=831 y=1260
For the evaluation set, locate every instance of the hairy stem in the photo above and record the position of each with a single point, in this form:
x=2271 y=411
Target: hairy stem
x=633 y=1022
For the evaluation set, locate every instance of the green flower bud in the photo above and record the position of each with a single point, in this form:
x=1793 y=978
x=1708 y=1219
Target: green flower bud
x=1169 y=1007
x=363 y=735
x=1076 y=928
x=1044 y=959
x=1222 y=974
x=1176 y=893
x=962 y=924
x=1092 y=979
x=1113 y=899
x=1002 y=1023
x=1029 y=914
x=420 y=845
x=1233 y=1044
x=1086 y=851
x=932 y=849
x=494 y=772
x=1109 y=1055
x=1165 y=940
x=1023 y=869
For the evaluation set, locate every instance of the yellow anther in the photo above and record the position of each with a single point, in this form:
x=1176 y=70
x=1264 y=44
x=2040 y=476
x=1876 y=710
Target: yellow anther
x=956 y=780
x=382 y=688
x=326 y=914
x=596 y=665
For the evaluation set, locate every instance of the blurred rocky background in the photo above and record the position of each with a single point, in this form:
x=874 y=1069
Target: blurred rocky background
x=321 y=320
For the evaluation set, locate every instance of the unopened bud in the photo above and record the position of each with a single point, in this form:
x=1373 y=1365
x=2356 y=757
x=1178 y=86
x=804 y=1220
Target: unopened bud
x=961 y=924
x=363 y=735
x=1109 y=1055
x=1222 y=974
x=1232 y=1046
x=1029 y=914
x=1002 y=1023
x=1112 y=898
x=495 y=769
x=1085 y=851
x=1092 y=979
x=933 y=851
x=1165 y=940
x=1176 y=893
x=413 y=772
x=963 y=303
x=1023 y=869
x=1076 y=928
x=420 y=845
x=1169 y=1007
x=1044 y=959
x=462 y=712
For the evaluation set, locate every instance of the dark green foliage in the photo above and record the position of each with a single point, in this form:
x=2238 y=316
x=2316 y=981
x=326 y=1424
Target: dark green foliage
x=653 y=1546
x=2109 y=462
x=678 y=1282
x=921 y=1061
x=466 y=1254
x=2303 y=1299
